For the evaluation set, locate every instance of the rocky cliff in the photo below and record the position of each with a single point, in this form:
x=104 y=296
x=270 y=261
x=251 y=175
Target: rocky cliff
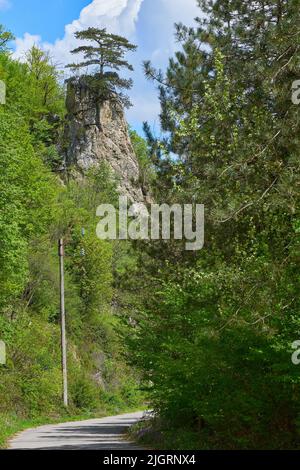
x=98 y=132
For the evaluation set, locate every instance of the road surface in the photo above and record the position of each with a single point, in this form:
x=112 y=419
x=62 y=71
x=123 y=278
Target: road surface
x=94 y=434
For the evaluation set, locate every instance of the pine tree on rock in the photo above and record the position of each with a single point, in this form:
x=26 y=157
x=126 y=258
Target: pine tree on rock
x=106 y=55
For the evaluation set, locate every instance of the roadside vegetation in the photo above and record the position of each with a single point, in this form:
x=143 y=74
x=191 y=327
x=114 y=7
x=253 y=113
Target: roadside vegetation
x=40 y=203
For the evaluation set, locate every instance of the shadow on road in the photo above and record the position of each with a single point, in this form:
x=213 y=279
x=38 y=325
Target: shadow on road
x=77 y=436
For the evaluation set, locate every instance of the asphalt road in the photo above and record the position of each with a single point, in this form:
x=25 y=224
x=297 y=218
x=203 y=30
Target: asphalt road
x=94 y=434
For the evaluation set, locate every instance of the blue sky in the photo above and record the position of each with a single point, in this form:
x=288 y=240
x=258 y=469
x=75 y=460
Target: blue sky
x=148 y=23
x=41 y=17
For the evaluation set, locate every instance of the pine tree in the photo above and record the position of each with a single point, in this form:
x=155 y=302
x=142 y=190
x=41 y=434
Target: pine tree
x=106 y=54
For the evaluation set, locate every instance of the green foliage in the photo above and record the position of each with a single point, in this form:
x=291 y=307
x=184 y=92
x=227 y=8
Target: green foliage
x=5 y=38
x=31 y=382
x=24 y=212
x=37 y=208
x=106 y=52
x=85 y=393
x=213 y=331
x=142 y=152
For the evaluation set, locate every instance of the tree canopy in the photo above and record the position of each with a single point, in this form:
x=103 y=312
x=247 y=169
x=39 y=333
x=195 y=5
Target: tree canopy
x=106 y=57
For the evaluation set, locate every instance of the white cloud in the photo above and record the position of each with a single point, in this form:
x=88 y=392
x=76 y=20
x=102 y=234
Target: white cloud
x=25 y=43
x=4 y=4
x=115 y=15
x=182 y=10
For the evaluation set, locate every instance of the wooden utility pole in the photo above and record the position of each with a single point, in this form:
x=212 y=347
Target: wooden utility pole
x=63 y=322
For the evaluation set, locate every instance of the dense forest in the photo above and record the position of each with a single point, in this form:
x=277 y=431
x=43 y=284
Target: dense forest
x=39 y=204
x=216 y=327
x=205 y=338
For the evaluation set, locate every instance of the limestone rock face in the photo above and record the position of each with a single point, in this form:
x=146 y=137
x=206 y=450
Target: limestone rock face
x=98 y=132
